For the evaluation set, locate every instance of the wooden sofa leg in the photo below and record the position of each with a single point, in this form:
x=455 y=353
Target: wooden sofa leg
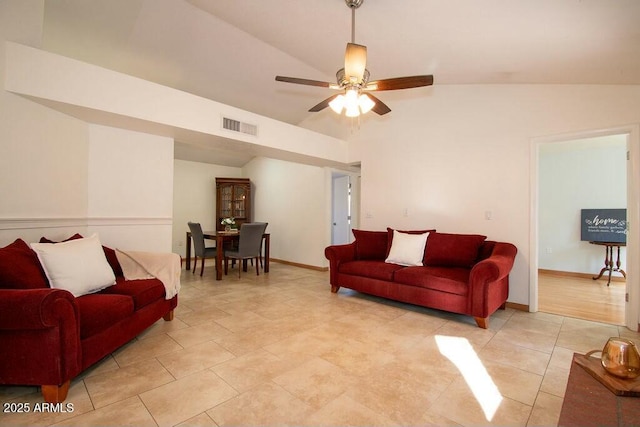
x=335 y=289
x=55 y=393
x=482 y=322
x=169 y=316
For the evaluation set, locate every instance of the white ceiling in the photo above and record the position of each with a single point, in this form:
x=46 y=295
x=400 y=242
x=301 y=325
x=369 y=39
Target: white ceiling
x=230 y=51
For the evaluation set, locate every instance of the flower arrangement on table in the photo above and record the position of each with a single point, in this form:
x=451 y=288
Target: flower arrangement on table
x=228 y=223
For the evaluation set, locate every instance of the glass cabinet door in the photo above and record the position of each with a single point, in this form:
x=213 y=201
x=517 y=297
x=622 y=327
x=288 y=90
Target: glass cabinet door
x=233 y=200
x=239 y=198
x=226 y=197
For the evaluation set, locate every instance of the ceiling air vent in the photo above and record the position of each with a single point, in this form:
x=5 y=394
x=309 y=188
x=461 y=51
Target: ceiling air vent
x=237 y=126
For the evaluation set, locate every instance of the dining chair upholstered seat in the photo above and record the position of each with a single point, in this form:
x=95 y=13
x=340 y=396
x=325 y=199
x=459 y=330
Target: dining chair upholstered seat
x=201 y=251
x=249 y=245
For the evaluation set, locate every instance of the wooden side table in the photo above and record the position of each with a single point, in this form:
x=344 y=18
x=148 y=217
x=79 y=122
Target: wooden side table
x=608 y=260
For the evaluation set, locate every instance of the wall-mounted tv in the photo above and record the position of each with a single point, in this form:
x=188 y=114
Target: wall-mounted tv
x=603 y=225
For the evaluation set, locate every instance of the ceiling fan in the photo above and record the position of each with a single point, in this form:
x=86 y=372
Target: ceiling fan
x=353 y=80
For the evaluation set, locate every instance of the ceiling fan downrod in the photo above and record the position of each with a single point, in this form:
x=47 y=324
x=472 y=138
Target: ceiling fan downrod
x=353 y=5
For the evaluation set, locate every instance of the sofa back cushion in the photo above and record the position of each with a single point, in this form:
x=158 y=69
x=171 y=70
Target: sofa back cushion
x=485 y=250
x=20 y=268
x=452 y=250
x=370 y=244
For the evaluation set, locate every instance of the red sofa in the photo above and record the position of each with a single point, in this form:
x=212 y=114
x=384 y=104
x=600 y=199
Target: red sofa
x=48 y=336
x=460 y=273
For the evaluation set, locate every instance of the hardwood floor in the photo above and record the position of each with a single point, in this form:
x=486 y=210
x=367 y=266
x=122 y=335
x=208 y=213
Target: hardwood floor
x=582 y=298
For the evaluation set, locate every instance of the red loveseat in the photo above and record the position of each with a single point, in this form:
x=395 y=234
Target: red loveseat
x=48 y=336
x=460 y=273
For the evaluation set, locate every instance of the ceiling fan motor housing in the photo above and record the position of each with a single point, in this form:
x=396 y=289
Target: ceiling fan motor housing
x=344 y=82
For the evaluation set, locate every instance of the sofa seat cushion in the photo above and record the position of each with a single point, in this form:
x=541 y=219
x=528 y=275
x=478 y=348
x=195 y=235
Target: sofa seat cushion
x=100 y=311
x=373 y=269
x=450 y=280
x=143 y=291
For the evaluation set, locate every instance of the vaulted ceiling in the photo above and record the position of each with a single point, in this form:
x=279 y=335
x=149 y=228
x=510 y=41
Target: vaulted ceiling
x=230 y=51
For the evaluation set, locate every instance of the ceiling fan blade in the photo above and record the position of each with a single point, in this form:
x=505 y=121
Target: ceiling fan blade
x=322 y=105
x=355 y=61
x=303 y=81
x=380 y=107
x=400 y=83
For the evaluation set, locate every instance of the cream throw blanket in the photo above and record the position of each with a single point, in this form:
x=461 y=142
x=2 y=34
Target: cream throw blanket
x=146 y=265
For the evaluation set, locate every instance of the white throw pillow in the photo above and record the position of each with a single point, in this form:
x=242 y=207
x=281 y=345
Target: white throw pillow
x=78 y=266
x=407 y=249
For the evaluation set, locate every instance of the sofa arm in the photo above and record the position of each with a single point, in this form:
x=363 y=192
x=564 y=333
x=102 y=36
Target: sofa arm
x=24 y=309
x=489 y=280
x=39 y=335
x=340 y=253
x=337 y=254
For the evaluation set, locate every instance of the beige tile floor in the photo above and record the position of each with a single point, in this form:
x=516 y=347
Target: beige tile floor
x=281 y=349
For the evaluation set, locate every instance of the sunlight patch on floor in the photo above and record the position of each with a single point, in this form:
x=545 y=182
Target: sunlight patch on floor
x=460 y=352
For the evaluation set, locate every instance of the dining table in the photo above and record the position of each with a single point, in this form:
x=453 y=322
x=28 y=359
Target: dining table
x=222 y=237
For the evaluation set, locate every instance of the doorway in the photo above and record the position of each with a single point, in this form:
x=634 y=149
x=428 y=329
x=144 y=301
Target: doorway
x=542 y=251
x=586 y=173
x=344 y=206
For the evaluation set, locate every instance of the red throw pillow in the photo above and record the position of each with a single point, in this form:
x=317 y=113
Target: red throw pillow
x=370 y=244
x=112 y=259
x=20 y=267
x=390 y=236
x=452 y=250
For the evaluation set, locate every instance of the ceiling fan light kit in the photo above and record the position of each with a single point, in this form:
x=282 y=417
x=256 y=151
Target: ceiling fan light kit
x=353 y=103
x=353 y=79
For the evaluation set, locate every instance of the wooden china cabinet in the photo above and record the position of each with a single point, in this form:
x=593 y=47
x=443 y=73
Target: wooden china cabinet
x=233 y=200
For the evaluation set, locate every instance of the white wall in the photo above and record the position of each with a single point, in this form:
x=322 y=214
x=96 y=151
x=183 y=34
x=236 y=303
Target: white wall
x=574 y=175
x=130 y=188
x=295 y=200
x=459 y=151
x=194 y=197
x=43 y=153
x=59 y=175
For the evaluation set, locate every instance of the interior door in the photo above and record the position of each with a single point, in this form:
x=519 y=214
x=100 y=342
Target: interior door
x=341 y=228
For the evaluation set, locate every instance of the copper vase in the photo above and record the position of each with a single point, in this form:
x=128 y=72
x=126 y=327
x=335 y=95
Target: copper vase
x=620 y=357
